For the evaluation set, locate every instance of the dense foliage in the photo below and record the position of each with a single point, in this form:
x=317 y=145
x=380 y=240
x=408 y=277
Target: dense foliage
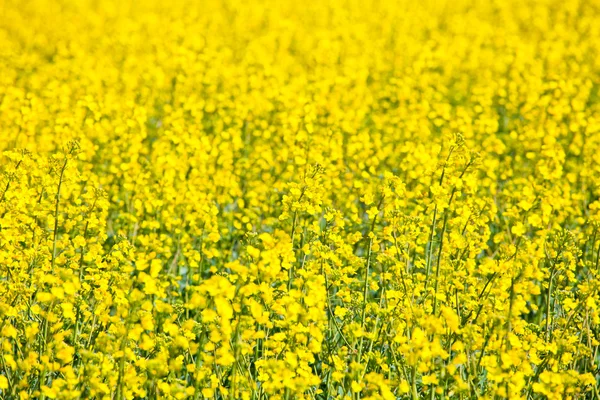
x=314 y=200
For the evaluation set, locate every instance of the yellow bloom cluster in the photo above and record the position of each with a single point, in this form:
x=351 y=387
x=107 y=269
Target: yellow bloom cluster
x=337 y=199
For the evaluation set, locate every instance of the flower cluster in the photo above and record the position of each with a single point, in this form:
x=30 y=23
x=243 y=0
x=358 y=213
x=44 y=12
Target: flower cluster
x=292 y=200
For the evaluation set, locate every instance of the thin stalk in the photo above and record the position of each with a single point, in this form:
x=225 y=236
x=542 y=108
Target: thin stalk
x=366 y=284
x=433 y=224
x=56 y=209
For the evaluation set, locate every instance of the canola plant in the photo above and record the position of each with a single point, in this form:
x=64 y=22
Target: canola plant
x=272 y=199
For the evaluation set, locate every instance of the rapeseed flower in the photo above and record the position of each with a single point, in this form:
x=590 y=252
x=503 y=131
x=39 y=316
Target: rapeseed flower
x=273 y=199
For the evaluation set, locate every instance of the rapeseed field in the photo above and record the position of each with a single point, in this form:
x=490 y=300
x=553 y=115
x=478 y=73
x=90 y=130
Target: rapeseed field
x=278 y=199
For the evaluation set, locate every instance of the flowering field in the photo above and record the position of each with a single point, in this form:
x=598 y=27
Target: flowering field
x=278 y=199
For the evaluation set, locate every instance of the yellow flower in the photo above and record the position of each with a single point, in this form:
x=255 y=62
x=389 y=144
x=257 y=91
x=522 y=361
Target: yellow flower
x=284 y=201
x=430 y=380
x=356 y=387
x=518 y=229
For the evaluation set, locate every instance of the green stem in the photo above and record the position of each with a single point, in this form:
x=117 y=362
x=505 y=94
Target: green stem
x=56 y=209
